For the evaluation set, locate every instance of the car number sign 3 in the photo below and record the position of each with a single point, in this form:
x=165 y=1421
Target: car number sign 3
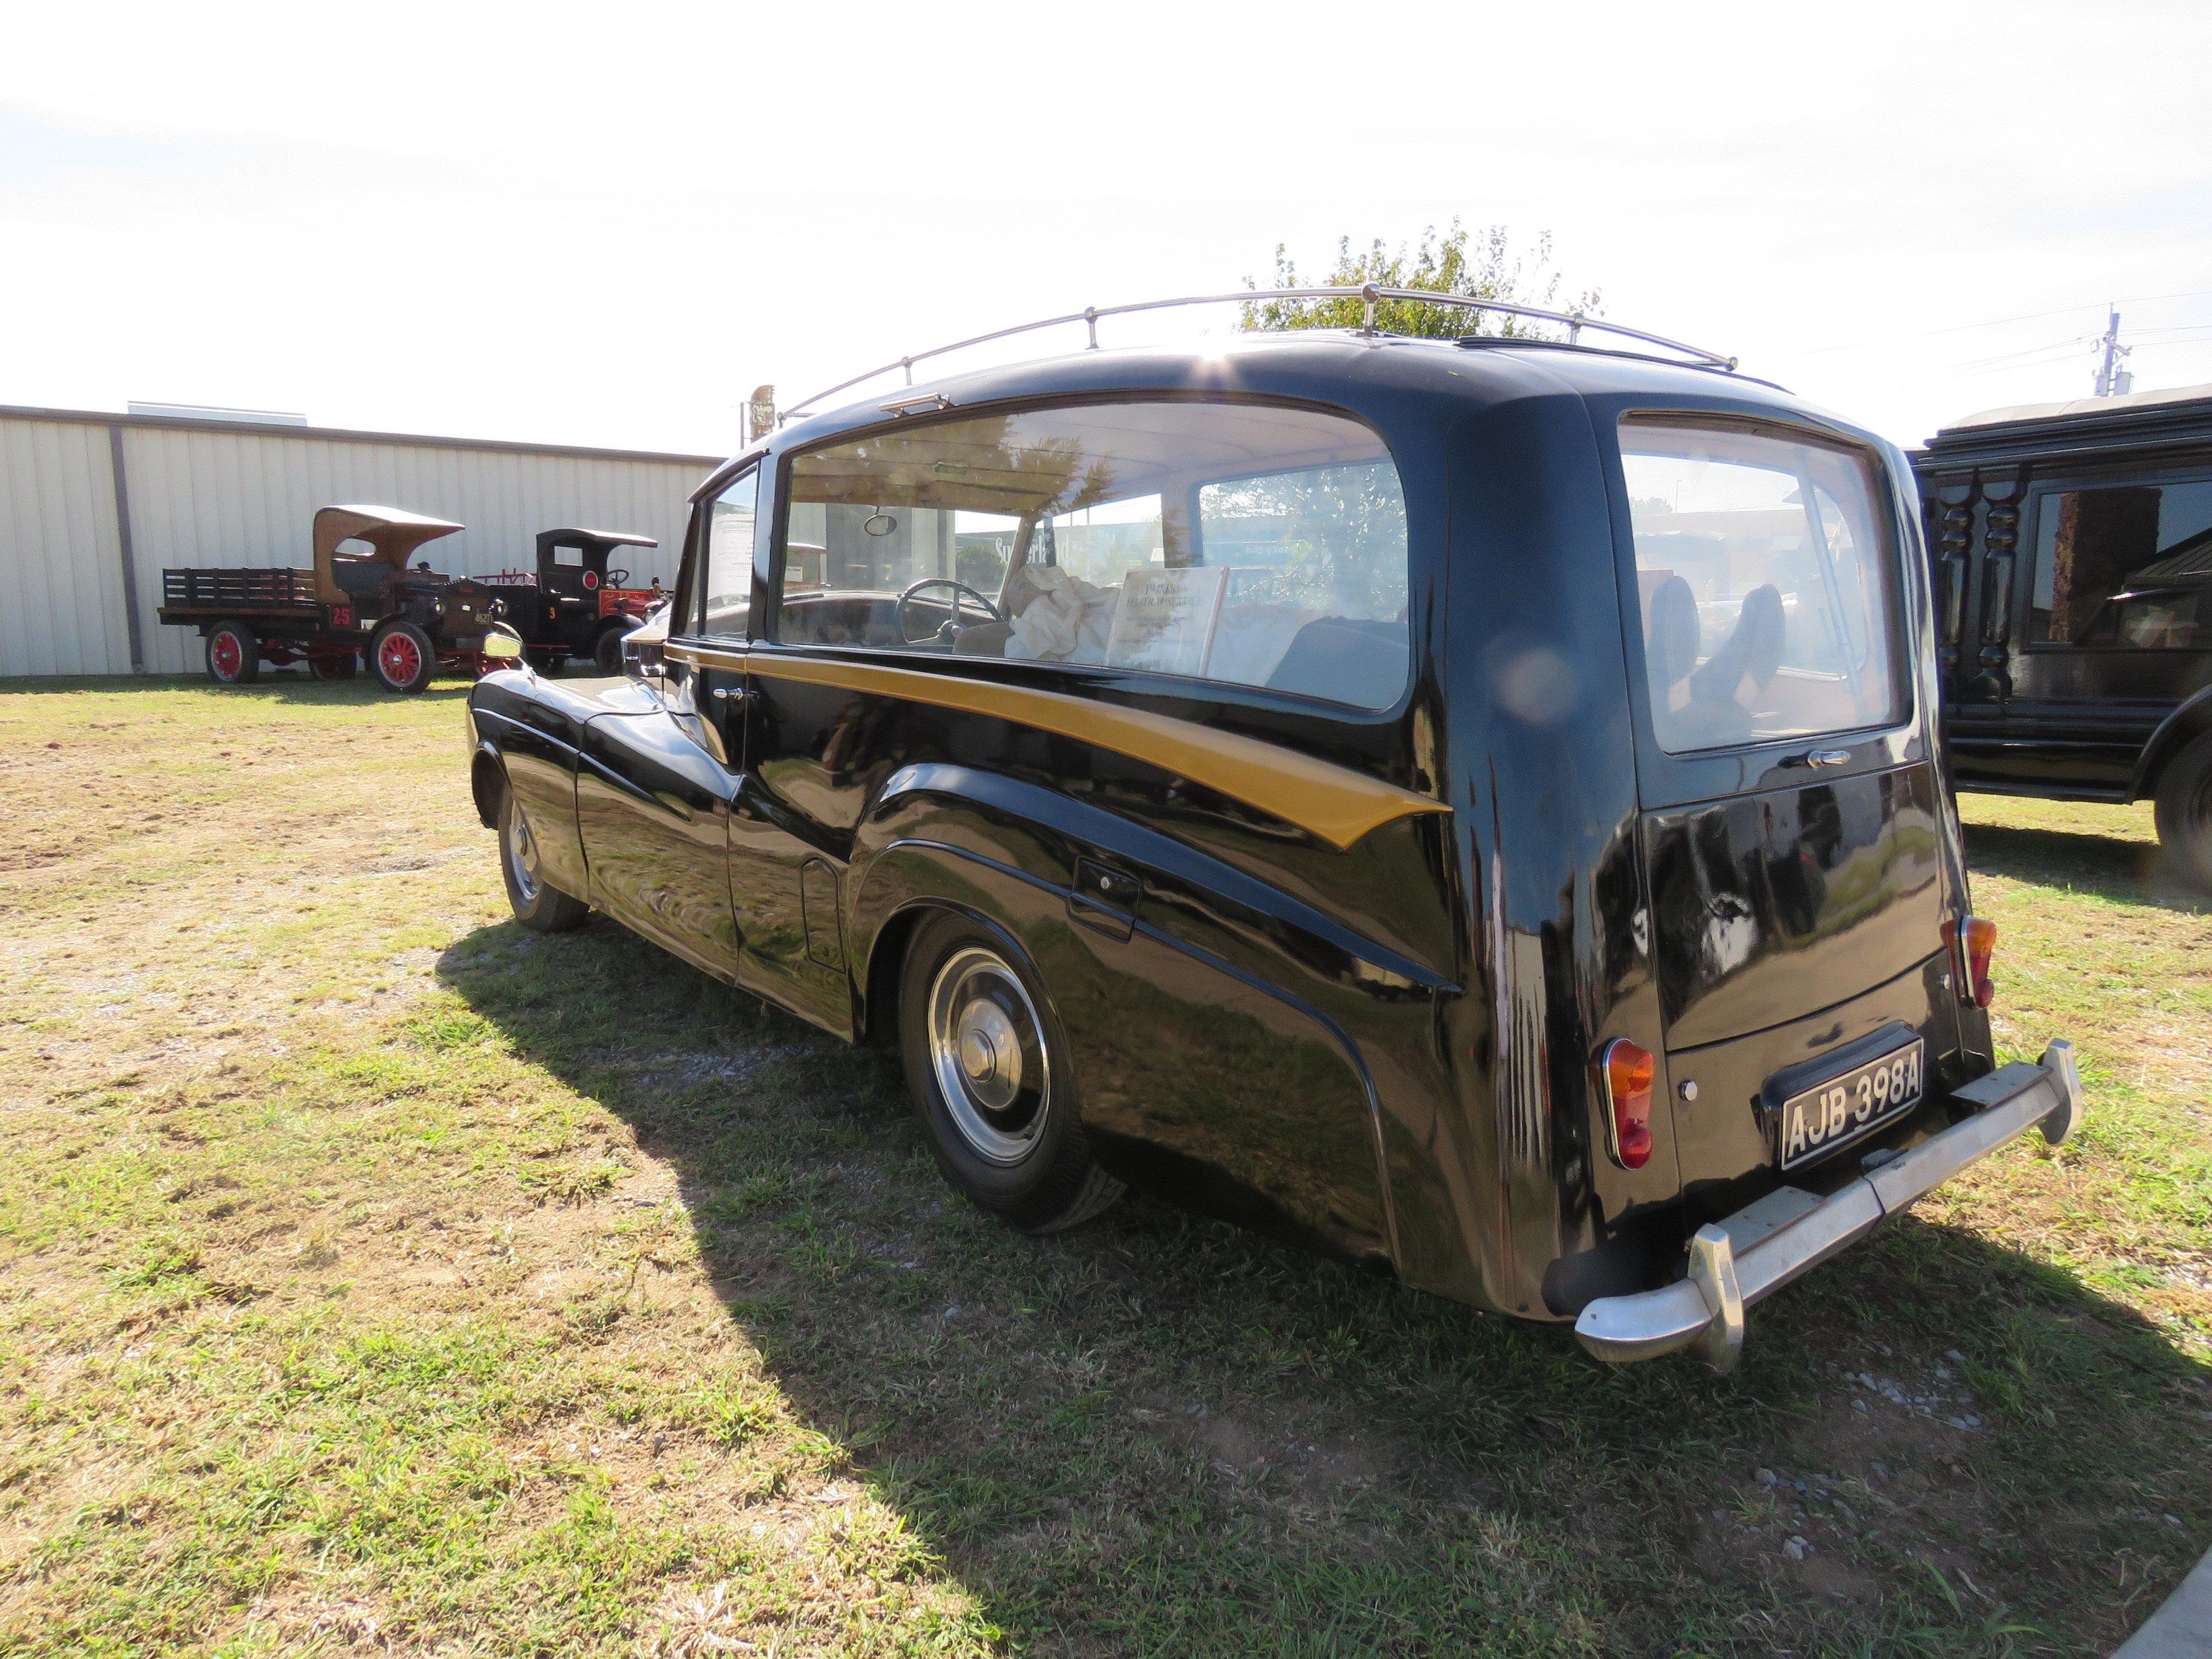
x=1842 y=1109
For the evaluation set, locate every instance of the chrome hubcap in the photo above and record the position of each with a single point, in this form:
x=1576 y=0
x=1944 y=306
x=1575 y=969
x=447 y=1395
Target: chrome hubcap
x=521 y=854
x=986 y=1048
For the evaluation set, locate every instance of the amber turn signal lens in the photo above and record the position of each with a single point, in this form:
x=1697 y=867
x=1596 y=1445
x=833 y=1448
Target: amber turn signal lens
x=1628 y=1070
x=1980 y=937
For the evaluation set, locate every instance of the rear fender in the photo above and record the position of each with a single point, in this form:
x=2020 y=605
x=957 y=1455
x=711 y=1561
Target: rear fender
x=2175 y=732
x=1212 y=1021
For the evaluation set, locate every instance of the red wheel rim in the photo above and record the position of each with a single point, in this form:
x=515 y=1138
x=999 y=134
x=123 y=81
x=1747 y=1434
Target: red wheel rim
x=399 y=658
x=229 y=657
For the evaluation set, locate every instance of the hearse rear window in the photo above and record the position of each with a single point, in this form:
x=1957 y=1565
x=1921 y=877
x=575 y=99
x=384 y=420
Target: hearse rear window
x=1766 y=584
x=1237 y=542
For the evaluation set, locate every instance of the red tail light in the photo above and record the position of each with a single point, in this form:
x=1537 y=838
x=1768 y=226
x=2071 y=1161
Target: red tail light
x=1979 y=937
x=1628 y=1072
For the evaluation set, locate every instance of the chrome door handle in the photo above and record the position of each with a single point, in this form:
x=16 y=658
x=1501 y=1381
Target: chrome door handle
x=731 y=694
x=1828 y=757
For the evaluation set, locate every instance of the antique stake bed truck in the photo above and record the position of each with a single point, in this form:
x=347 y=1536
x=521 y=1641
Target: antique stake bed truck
x=409 y=623
x=1473 y=807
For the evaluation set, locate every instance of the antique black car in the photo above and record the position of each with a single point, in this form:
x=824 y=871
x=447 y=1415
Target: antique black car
x=1473 y=807
x=573 y=604
x=360 y=599
x=2072 y=550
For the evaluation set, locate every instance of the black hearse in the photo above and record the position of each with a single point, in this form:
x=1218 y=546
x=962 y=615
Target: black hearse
x=2073 y=557
x=1472 y=806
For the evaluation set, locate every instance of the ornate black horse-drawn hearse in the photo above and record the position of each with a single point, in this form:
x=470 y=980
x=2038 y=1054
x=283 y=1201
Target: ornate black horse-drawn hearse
x=2073 y=560
x=360 y=599
x=1473 y=806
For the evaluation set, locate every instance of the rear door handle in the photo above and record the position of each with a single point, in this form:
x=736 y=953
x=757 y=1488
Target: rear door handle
x=731 y=694
x=1820 y=758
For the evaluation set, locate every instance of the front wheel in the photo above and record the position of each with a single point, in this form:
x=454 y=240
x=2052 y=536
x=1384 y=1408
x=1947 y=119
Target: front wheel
x=538 y=906
x=993 y=1079
x=403 y=657
x=2185 y=810
x=606 y=653
x=234 y=654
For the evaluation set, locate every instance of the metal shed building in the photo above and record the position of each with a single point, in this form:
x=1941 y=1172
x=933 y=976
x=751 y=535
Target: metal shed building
x=93 y=506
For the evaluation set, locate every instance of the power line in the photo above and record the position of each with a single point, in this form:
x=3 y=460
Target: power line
x=1999 y=322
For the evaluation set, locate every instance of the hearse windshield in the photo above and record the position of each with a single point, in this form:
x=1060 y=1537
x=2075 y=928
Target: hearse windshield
x=1767 y=585
x=1244 y=543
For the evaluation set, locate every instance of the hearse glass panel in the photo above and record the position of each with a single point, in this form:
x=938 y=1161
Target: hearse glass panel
x=2126 y=566
x=729 y=561
x=1766 y=583
x=1246 y=543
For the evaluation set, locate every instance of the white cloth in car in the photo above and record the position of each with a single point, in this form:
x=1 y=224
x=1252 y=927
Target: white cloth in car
x=1250 y=641
x=1063 y=619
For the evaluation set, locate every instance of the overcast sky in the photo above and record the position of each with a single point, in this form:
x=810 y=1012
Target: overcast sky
x=605 y=224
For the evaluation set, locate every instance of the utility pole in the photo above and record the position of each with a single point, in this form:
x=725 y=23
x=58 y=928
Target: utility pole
x=2112 y=380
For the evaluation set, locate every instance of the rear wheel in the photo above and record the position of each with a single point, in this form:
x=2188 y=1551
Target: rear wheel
x=402 y=656
x=234 y=654
x=992 y=1083
x=538 y=906
x=2185 y=810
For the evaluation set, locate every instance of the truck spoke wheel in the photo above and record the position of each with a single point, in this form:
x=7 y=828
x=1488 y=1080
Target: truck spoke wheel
x=234 y=654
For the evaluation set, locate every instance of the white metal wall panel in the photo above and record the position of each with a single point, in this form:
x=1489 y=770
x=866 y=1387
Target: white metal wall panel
x=220 y=498
x=61 y=567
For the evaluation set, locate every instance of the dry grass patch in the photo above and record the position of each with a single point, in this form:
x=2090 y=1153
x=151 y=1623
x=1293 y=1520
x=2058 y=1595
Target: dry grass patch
x=378 y=1278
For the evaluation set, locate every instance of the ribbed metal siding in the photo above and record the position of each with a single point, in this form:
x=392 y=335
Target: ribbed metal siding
x=209 y=498
x=61 y=579
x=220 y=498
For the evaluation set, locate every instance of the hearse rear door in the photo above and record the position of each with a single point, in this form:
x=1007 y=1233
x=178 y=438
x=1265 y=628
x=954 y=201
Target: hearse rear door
x=1791 y=826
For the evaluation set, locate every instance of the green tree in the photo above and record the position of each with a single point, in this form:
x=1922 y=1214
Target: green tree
x=1483 y=267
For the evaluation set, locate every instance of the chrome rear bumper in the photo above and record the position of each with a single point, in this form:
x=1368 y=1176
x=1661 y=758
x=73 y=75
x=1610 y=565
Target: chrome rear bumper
x=1758 y=1249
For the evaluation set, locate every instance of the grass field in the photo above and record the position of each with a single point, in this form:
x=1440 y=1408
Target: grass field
x=378 y=1278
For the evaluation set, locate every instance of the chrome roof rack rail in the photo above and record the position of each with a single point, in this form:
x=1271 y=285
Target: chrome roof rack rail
x=1574 y=321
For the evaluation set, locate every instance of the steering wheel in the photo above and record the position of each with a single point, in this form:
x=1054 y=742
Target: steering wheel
x=618 y=579
x=959 y=590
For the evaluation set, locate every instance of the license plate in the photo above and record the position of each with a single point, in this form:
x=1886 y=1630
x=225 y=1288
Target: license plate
x=1859 y=1101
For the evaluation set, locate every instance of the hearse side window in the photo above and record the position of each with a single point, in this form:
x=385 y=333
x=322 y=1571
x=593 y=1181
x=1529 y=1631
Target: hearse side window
x=1238 y=543
x=730 y=556
x=1767 y=585
x=2129 y=565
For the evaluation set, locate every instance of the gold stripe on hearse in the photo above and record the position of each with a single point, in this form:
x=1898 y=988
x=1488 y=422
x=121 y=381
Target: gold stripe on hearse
x=1333 y=802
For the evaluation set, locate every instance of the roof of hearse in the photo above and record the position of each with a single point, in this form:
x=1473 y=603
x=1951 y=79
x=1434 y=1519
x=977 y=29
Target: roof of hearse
x=1357 y=372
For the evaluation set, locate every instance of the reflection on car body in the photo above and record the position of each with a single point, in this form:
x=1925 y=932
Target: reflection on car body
x=1314 y=779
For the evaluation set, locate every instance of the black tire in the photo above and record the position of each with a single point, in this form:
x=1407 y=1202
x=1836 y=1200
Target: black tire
x=1025 y=1159
x=536 y=904
x=401 y=657
x=334 y=668
x=2185 y=810
x=234 y=654
x=606 y=650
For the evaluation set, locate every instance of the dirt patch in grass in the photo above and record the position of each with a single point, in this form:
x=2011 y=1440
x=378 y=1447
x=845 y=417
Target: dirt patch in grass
x=379 y=1278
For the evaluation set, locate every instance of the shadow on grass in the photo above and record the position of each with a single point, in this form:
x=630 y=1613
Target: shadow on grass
x=2113 y=867
x=1159 y=1435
